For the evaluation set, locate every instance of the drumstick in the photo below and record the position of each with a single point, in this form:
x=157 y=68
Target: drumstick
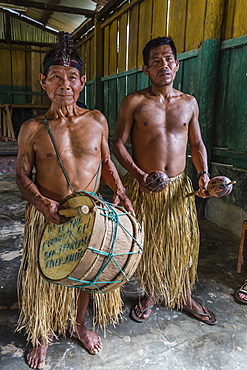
x=194 y=193
x=197 y=191
x=70 y=212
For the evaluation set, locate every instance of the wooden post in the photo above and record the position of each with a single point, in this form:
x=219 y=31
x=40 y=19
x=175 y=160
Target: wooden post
x=10 y=130
x=98 y=66
x=208 y=61
x=242 y=255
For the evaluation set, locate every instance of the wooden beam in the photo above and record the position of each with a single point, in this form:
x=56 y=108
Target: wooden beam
x=53 y=7
x=27 y=43
x=46 y=16
x=80 y=31
x=100 y=2
x=29 y=21
x=4 y=46
x=8 y=28
x=110 y=6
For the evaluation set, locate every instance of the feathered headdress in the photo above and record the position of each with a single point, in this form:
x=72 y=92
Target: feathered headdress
x=64 y=48
x=64 y=54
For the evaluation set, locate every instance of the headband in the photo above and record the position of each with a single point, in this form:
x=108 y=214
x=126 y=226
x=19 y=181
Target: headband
x=60 y=62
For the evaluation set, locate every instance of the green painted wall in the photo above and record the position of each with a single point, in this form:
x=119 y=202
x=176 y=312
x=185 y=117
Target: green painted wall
x=216 y=75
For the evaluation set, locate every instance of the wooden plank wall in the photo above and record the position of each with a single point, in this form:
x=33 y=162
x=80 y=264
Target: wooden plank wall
x=235 y=24
x=124 y=35
x=191 y=23
x=230 y=130
x=86 y=51
x=126 y=32
x=20 y=67
x=229 y=139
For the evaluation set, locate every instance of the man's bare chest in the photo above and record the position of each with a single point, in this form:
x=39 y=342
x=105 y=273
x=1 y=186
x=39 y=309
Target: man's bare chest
x=157 y=116
x=48 y=146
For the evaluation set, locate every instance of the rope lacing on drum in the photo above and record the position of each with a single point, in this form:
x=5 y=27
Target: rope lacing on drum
x=114 y=216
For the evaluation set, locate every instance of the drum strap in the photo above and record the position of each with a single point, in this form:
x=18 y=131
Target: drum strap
x=58 y=156
x=60 y=160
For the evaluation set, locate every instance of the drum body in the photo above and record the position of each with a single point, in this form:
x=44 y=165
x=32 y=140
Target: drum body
x=97 y=251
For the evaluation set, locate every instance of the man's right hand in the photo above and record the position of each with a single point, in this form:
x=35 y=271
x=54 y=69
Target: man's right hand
x=49 y=208
x=141 y=178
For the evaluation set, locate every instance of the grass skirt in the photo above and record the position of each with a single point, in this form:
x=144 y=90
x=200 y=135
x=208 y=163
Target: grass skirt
x=171 y=239
x=48 y=309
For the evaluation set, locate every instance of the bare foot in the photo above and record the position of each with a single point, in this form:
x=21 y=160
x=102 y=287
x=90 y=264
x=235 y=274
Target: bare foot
x=36 y=357
x=143 y=311
x=91 y=341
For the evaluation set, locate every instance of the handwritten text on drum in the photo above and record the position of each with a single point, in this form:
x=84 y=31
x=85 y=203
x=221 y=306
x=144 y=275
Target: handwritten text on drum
x=68 y=244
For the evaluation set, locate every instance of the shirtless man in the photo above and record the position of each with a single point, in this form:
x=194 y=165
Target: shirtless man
x=81 y=139
x=160 y=121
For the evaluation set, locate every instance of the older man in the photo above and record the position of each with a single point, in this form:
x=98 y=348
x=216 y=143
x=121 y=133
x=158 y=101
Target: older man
x=79 y=138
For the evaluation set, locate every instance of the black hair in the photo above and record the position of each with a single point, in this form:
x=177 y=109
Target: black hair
x=154 y=43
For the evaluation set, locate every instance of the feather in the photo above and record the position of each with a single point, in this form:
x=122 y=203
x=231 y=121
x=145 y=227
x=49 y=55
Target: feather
x=64 y=48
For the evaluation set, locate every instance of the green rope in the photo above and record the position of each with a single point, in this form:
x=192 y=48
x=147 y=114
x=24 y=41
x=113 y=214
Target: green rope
x=97 y=175
x=60 y=160
x=58 y=155
x=114 y=216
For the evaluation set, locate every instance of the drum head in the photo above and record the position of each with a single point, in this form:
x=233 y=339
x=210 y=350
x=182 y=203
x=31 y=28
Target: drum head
x=62 y=246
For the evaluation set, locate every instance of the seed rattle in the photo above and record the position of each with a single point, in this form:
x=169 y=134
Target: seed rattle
x=218 y=186
x=156 y=181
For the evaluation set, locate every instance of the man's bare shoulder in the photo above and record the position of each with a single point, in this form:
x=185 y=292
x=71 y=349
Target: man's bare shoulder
x=190 y=99
x=136 y=97
x=96 y=116
x=33 y=124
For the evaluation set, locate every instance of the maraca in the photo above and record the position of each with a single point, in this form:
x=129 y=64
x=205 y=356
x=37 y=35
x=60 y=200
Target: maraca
x=218 y=186
x=156 y=181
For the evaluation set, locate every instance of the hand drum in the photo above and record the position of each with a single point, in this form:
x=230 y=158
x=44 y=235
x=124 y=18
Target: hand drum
x=220 y=186
x=156 y=181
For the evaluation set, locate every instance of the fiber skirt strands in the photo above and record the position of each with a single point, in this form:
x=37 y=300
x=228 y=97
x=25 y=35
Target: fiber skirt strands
x=171 y=241
x=97 y=249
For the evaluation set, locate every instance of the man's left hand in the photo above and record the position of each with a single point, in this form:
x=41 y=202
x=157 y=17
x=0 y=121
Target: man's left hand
x=123 y=201
x=203 y=184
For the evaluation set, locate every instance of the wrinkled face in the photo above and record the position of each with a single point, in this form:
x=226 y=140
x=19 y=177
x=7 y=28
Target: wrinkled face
x=162 y=66
x=63 y=84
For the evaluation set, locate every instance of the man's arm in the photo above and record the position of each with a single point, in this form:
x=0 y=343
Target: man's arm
x=109 y=172
x=198 y=150
x=24 y=165
x=122 y=131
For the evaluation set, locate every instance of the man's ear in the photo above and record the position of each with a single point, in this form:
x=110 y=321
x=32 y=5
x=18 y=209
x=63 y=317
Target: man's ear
x=145 y=70
x=177 y=65
x=83 y=81
x=42 y=80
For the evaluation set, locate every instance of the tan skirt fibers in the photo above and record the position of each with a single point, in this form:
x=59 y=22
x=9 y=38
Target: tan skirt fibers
x=48 y=309
x=171 y=239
